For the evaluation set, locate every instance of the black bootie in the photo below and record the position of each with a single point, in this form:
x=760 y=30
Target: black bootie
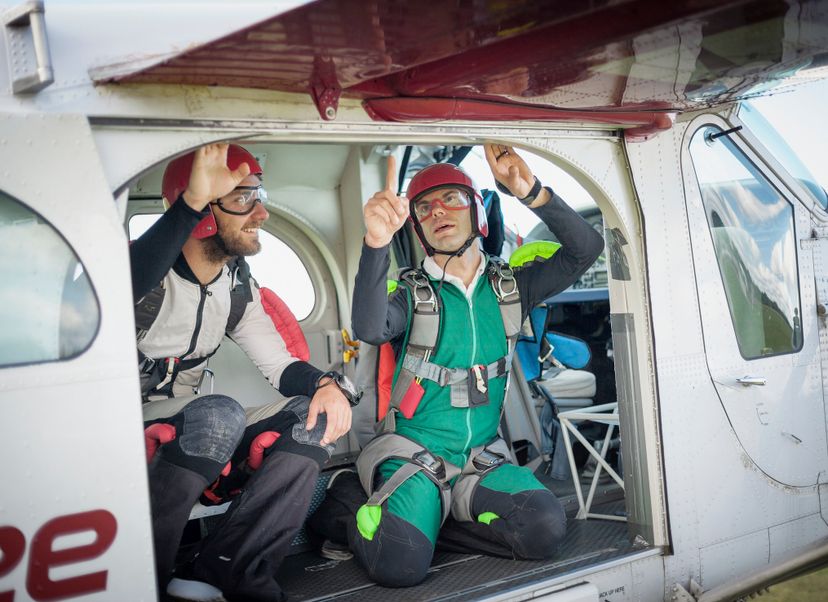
x=173 y=491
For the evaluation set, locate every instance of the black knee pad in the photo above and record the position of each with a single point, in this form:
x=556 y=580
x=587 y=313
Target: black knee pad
x=531 y=523
x=543 y=523
x=208 y=430
x=399 y=555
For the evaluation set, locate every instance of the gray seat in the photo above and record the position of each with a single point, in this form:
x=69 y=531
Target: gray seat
x=570 y=388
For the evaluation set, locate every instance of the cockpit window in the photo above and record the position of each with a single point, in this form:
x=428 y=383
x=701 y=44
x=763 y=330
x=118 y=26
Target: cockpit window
x=50 y=311
x=752 y=227
x=782 y=151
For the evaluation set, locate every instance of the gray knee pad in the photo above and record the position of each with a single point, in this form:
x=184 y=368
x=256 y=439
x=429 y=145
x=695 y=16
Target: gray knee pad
x=294 y=438
x=208 y=429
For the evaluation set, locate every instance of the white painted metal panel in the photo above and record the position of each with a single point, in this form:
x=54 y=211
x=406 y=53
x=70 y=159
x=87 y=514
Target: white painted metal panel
x=585 y=592
x=724 y=562
x=71 y=431
x=795 y=535
x=627 y=579
x=714 y=490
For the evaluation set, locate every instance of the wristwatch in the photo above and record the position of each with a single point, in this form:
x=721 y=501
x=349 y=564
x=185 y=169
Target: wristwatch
x=345 y=385
x=529 y=198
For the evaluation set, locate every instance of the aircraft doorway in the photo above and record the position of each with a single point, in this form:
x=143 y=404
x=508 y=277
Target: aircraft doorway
x=324 y=209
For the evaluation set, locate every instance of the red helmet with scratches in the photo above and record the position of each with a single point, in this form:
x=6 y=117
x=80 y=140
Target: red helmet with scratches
x=446 y=175
x=177 y=177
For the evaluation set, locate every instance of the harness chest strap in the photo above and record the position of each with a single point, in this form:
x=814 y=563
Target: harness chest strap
x=158 y=375
x=424 y=333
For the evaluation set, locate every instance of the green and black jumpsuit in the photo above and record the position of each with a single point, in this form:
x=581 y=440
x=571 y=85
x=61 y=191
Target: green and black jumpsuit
x=515 y=515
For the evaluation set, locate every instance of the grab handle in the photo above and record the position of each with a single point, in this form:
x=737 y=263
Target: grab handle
x=26 y=34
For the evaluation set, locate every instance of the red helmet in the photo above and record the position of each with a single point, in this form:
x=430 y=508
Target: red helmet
x=177 y=177
x=446 y=175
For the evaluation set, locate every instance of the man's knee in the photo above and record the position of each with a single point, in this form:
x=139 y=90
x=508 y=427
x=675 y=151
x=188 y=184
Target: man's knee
x=544 y=527
x=208 y=430
x=397 y=553
x=294 y=437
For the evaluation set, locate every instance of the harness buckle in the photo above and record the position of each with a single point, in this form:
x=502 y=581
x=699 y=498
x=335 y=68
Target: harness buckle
x=147 y=365
x=420 y=283
x=480 y=382
x=431 y=463
x=172 y=362
x=205 y=372
x=486 y=460
x=504 y=273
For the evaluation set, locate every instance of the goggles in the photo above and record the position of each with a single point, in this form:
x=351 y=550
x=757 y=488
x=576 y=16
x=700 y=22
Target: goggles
x=452 y=200
x=242 y=200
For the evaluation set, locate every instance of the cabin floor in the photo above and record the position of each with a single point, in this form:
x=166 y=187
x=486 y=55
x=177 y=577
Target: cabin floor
x=306 y=576
x=453 y=576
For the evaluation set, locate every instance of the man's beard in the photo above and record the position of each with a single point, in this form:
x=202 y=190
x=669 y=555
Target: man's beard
x=220 y=248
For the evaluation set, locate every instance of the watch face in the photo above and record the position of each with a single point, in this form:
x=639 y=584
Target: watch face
x=348 y=389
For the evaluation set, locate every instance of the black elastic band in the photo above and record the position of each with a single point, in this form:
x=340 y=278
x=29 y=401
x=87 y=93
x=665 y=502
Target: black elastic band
x=533 y=194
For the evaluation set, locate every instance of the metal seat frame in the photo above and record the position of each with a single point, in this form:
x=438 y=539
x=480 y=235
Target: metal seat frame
x=606 y=414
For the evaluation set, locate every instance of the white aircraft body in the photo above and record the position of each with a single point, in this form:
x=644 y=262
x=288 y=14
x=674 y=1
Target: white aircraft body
x=706 y=317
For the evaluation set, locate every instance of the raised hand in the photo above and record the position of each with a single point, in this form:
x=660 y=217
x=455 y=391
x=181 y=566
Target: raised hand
x=509 y=169
x=210 y=178
x=385 y=212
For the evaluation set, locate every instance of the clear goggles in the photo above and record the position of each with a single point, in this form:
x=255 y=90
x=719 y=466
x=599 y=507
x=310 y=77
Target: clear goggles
x=242 y=200
x=451 y=200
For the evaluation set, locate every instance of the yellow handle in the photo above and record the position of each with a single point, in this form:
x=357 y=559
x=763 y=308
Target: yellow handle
x=351 y=350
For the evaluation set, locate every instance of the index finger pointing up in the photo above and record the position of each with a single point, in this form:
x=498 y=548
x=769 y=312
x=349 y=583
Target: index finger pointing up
x=391 y=175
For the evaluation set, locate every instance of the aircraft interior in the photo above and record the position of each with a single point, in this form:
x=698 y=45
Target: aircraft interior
x=566 y=365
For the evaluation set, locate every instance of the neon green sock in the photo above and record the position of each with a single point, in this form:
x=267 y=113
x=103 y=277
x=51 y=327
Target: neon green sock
x=486 y=517
x=368 y=520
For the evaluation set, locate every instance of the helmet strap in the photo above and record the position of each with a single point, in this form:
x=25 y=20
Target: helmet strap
x=460 y=250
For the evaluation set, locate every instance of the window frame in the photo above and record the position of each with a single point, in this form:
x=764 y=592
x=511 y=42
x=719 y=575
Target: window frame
x=780 y=186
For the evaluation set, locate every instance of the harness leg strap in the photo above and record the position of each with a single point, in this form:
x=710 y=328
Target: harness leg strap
x=405 y=472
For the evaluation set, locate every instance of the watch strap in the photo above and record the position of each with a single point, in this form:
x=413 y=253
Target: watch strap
x=533 y=194
x=341 y=381
x=529 y=198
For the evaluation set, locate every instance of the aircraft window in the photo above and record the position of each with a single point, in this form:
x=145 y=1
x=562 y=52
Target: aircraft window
x=50 y=311
x=276 y=266
x=780 y=149
x=753 y=236
x=279 y=268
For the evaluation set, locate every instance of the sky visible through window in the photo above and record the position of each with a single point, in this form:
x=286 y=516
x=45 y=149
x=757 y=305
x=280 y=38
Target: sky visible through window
x=800 y=116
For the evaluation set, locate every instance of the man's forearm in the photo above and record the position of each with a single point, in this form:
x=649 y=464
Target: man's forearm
x=299 y=378
x=373 y=319
x=153 y=254
x=576 y=235
x=580 y=247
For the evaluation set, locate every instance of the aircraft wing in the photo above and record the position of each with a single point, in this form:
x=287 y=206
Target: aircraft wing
x=620 y=61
